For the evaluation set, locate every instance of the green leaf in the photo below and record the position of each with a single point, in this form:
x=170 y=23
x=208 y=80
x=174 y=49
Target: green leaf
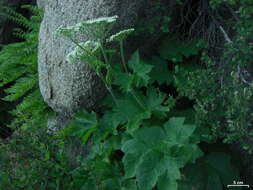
x=85 y=137
x=127 y=109
x=221 y=163
x=83 y=125
x=136 y=121
x=110 y=184
x=124 y=81
x=109 y=122
x=84 y=118
x=128 y=112
x=180 y=131
x=152 y=158
x=21 y=87
x=134 y=150
x=134 y=61
x=175 y=50
x=185 y=154
x=151 y=137
x=213 y=182
x=131 y=161
x=150 y=169
x=160 y=72
x=133 y=146
x=107 y=126
x=155 y=101
x=129 y=185
x=171 y=50
x=213 y=171
x=140 y=69
x=168 y=181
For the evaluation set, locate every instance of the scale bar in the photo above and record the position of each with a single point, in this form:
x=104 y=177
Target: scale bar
x=238 y=185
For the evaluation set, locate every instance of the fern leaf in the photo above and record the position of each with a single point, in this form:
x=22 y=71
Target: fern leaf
x=15 y=16
x=18 y=63
x=20 y=88
x=33 y=100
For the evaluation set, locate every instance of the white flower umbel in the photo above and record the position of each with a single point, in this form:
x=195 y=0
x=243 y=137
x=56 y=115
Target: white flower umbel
x=65 y=31
x=94 y=29
x=120 y=36
x=83 y=51
x=102 y=20
x=74 y=56
x=91 y=47
x=98 y=28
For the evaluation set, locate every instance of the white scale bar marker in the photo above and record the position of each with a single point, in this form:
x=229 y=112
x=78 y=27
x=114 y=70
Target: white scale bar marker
x=238 y=185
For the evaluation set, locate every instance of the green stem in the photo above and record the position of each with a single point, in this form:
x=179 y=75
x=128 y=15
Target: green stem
x=98 y=73
x=126 y=70
x=104 y=55
x=108 y=88
x=107 y=63
x=137 y=100
x=85 y=50
x=122 y=56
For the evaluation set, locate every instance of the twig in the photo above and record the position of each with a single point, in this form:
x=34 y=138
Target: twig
x=239 y=70
x=225 y=35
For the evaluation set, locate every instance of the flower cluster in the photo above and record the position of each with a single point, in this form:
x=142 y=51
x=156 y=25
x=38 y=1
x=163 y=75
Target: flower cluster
x=120 y=36
x=82 y=51
x=96 y=30
x=67 y=32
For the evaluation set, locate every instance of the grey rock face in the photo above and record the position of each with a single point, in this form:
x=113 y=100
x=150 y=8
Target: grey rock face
x=41 y=3
x=68 y=87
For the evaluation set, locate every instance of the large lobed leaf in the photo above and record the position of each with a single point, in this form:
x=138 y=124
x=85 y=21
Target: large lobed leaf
x=214 y=171
x=140 y=70
x=154 y=154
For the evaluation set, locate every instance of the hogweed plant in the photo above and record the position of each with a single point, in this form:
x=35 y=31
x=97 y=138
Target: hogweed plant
x=137 y=123
x=91 y=50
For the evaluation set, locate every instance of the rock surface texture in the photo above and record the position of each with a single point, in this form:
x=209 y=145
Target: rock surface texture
x=68 y=87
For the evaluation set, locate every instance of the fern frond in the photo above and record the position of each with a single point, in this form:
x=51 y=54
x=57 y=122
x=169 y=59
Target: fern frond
x=21 y=87
x=15 y=16
x=18 y=65
x=31 y=101
x=14 y=65
x=20 y=33
x=36 y=11
x=11 y=76
x=33 y=110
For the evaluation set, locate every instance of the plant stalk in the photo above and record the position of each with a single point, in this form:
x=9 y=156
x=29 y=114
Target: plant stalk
x=122 y=56
x=126 y=70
